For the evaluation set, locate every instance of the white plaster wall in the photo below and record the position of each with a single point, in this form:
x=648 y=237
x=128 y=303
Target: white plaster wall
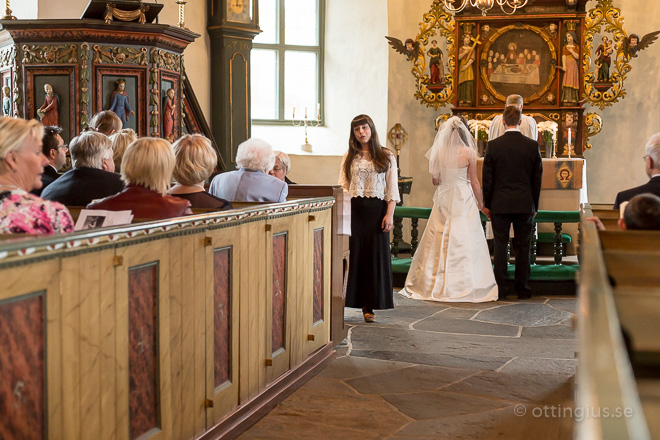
x=196 y=55
x=615 y=162
x=416 y=119
x=356 y=66
x=23 y=9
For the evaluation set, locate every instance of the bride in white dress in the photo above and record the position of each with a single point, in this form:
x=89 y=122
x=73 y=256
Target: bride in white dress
x=452 y=262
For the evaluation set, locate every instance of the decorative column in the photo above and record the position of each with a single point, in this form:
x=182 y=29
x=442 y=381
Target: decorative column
x=232 y=25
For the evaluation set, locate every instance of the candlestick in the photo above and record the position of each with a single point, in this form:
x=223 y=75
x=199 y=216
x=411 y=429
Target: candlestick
x=182 y=21
x=8 y=15
x=305 y=123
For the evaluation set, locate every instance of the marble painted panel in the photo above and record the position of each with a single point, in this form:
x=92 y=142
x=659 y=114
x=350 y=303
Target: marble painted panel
x=279 y=291
x=144 y=408
x=318 y=275
x=222 y=315
x=22 y=368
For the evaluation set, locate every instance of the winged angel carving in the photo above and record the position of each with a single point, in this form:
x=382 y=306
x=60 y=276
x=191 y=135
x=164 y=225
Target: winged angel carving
x=633 y=44
x=410 y=48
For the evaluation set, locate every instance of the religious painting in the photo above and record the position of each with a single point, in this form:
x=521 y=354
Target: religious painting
x=518 y=59
x=122 y=91
x=50 y=98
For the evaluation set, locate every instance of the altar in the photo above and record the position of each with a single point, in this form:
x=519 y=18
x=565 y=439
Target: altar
x=563 y=188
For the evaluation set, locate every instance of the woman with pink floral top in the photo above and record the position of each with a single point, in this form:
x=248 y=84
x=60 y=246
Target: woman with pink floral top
x=21 y=166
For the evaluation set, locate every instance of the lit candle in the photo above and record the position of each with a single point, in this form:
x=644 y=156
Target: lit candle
x=569 y=136
x=476 y=131
x=305 y=112
x=318 y=111
x=293 y=116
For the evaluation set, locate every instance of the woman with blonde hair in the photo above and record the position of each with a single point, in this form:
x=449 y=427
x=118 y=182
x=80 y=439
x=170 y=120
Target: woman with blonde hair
x=21 y=166
x=147 y=171
x=106 y=122
x=195 y=161
x=120 y=142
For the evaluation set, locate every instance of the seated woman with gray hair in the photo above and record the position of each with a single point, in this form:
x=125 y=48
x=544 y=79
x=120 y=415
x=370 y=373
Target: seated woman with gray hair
x=195 y=161
x=282 y=167
x=251 y=183
x=147 y=171
x=21 y=165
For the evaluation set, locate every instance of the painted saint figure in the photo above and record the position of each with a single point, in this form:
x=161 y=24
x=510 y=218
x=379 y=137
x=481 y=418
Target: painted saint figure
x=435 y=63
x=6 y=101
x=119 y=103
x=466 y=57
x=168 y=116
x=569 y=62
x=49 y=111
x=603 y=59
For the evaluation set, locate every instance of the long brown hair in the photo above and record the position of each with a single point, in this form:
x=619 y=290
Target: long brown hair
x=379 y=156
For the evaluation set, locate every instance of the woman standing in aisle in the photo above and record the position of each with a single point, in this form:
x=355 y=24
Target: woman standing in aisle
x=369 y=174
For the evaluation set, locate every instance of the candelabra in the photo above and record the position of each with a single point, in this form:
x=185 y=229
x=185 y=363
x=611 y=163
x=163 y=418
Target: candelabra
x=8 y=15
x=307 y=123
x=182 y=4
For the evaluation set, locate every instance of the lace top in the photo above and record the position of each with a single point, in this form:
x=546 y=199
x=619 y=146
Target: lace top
x=367 y=182
x=24 y=213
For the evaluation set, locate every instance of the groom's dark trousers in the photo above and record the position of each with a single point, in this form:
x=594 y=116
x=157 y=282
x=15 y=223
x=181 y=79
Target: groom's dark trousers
x=512 y=186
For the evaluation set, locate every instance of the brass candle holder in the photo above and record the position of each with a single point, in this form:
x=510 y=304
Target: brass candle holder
x=182 y=4
x=8 y=15
x=307 y=123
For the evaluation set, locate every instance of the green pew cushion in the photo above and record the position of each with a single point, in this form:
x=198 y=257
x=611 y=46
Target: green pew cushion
x=539 y=272
x=549 y=237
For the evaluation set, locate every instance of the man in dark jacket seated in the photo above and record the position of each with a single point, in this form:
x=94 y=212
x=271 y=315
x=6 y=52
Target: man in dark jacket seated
x=92 y=176
x=55 y=151
x=652 y=165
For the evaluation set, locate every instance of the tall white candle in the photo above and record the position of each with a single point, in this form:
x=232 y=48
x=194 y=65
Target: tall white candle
x=293 y=116
x=318 y=111
x=305 y=112
x=569 y=136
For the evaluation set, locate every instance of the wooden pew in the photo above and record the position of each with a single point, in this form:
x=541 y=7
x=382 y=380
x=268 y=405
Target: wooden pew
x=604 y=376
x=632 y=268
x=639 y=312
x=645 y=241
x=609 y=218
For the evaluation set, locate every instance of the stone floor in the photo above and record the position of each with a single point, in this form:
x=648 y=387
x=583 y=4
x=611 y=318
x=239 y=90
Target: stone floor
x=429 y=370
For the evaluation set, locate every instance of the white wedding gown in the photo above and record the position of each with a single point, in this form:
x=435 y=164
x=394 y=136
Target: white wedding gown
x=452 y=262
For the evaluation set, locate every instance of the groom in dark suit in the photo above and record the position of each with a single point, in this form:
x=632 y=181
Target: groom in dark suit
x=512 y=185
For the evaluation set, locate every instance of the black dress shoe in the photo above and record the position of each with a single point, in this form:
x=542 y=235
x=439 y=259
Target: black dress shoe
x=524 y=295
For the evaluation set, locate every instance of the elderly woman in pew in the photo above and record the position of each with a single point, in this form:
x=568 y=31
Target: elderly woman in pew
x=147 y=171
x=642 y=213
x=251 y=183
x=21 y=166
x=195 y=161
x=282 y=167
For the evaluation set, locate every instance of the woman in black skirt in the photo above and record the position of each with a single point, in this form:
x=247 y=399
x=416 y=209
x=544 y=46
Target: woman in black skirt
x=369 y=174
